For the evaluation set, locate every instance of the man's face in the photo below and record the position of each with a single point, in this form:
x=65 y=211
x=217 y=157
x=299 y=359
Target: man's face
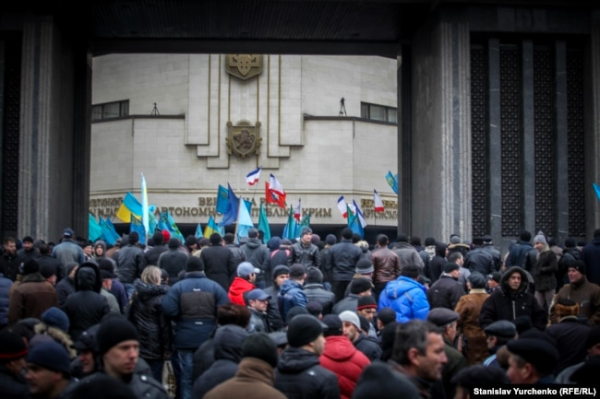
x=260 y=305
x=41 y=380
x=319 y=345
x=27 y=245
x=515 y=373
x=107 y=284
x=455 y=273
x=281 y=279
x=52 y=279
x=306 y=239
x=121 y=359
x=430 y=364
x=492 y=283
x=87 y=250
x=252 y=277
x=10 y=247
x=460 y=261
x=574 y=275
x=350 y=331
x=450 y=331
x=86 y=358
x=369 y=313
x=514 y=281
x=17 y=367
x=491 y=341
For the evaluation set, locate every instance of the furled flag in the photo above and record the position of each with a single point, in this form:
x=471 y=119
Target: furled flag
x=263 y=223
x=230 y=216
x=298 y=212
x=341 y=204
x=359 y=214
x=392 y=181
x=289 y=230
x=377 y=202
x=145 y=208
x=222 y=199
x=94 y=229
x=274 y=192
x=244 y=222
x=252 y=177
x=597 y=190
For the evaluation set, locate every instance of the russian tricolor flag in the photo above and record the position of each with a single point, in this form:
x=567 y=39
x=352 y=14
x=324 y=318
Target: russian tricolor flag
x=378 y=203
x=252 y=177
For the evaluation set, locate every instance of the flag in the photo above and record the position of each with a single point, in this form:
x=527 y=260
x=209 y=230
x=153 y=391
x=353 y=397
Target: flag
x=597 y=190
x=377 y=202
x=137 y=226
x=274 y=192
x=244 y=222
x=211 y=228
x=198 y=233
x=109 y=235
x=392 y=181
x=145 y=209
x=94 y=229
x=222 y=199
x=130 y=206
x=233 y=203
x=289 y=231
x=167 y=223
x=354 y=223
x=263 y=223
x=152 y=221
x=305 y=221
x=298 y=212
x=252 y=177
x=341 y=204
x=359 y=214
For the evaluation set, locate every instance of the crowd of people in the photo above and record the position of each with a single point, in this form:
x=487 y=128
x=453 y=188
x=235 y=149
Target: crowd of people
x=313 y=318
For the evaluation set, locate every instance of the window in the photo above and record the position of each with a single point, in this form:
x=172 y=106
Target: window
x=110 y=110
x=378 y=113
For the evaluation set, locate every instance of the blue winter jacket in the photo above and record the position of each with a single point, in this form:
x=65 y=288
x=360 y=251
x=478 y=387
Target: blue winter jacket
x=290 y=294
x=192 y=303
x=407 y=297
x=4 y=291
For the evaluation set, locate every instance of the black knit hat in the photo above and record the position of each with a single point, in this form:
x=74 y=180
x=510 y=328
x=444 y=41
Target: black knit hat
x=579 y=266
x=114 y=330
x=334 y=325
x=360 y=285
x=260 y=346
x=194 y=263
x=12 y=346
x=304 y=329
x=450 y=267
x=409 y=271
x=174 y=243
x=540 y=353
x=31 y=266
x=281 y=269
x=477 y=280
x=379 y=381
x=386 y=316
x=365 y=302
x=50 y=355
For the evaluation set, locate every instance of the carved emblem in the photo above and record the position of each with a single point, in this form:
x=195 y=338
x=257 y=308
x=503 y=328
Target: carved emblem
x=243 y=139
x=244 y=66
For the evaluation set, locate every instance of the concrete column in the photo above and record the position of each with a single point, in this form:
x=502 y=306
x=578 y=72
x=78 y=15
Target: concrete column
x=404 y=144
x=592 y=131
x=54 y=146
x=442 y=130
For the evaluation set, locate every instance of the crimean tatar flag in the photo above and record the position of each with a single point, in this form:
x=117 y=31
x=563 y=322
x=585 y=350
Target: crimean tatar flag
x=252 y=177
x=377 y=202
x=274 y=192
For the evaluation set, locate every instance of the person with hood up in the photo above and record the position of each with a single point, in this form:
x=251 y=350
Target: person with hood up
x=257 y=254
x=406 y=296
x=512 y=301
x=227 y=343
x=341 y=357
x=255 y=376
x=86 y=306
x=145 y=313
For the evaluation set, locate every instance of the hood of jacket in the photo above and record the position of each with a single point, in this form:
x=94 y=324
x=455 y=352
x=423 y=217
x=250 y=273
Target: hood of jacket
x=253 y=243
x=296 y=360
x=395 y=289
x=440 y=250
x=146 y=291
x=88 y=278
x=102 y=244
x=338 y=348
x=524 y=281
x=288 y=285
x=228 y=342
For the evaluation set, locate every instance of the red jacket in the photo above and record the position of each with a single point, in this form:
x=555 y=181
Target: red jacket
x=345 y=361
x=237 y=290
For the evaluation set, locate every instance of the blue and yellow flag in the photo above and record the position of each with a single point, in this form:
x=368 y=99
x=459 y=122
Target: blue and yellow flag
x=136 y=225
x=129 y=207
x=392 y=181
x=222 y=199
x=211 y=228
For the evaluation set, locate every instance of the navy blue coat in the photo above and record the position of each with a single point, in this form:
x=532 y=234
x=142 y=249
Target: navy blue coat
x=591 y=258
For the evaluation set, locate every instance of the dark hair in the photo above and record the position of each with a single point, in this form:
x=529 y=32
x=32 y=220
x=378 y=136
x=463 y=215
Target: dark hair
x=347 y=233
x=158 y=238
x=415 y=240
x=413 y=334
x=229 y=238
x=215 y=239
x=454 y=256
x=133 y=237
x=230 y=313
x=525 y=236
x=382 y=240
x=479 y=375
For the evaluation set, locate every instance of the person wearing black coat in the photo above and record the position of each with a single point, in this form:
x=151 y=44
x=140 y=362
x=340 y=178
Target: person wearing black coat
x=154 y=253
x=227 y=343
x=447 y=291
x=479 y=259
x=145 y=313
x=343 y=258
x=435 y=267
x=66 y=286
x=314 y=290
x=219 y=262
x=511 y=301
x=173 y=261
x=86 y=306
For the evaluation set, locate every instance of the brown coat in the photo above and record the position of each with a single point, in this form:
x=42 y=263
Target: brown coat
x=31 y=298
x=586 y=294
x=253 y=380
x=386 y=264
x=468 y=308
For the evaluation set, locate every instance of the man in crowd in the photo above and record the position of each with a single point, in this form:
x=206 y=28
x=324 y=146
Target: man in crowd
x=498 y=334
x=48 y=371
x=68 y=250
x=315 y=291
x=258 y=301
x=29 y=251
x=478 y=259
x=193 y=303
x=280 y=274
x=130 y=263
x=173 y=260
x=9 y=261
x=531 y=361
x=219 y=262
x=33 y=296
x=446 y=291
x=580 y=290
x=151 y=256
x=12 y=365
x=406 y=296
x=291 y=293
x=343 y=257
x=257 y=254
x=244 y=282
x=352 y=330
x=304 y=252
x=386 y=264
